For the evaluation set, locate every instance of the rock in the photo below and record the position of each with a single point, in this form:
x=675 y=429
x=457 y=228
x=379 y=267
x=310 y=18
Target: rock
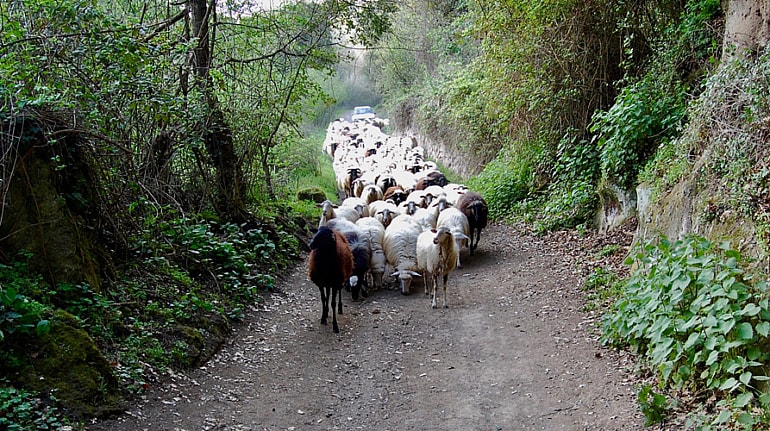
x=67 y=364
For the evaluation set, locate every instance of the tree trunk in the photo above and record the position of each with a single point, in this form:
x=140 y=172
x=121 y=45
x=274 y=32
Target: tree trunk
x=230 y=202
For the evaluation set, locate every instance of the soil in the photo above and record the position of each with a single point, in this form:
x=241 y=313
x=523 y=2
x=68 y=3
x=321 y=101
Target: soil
x=516 y=349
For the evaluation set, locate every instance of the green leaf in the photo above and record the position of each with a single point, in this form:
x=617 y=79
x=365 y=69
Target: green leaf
x=744 y=331
x=43 y=327
x=753 y=353
x=723 y=417
x=743 y=399
x=750 y=309
x=692 y=340
x=728 y=384
x=746 y=419
x=763 y=328
x=745 y=378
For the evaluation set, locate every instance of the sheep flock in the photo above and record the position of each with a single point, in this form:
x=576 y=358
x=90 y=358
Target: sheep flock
x=397 y=212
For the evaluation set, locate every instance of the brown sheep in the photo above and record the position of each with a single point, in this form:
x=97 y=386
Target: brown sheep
x=330 y=265
x=397 y=194
x=475 y=209
x=434 y=178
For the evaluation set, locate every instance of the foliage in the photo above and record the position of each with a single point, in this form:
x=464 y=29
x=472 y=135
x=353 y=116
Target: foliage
x=503 y=183
x=697 y=317
x=22 y=410
x=653 y=405
x=230 y=255
x=601 y=286
x=19 y=313
x=649 y=112
x=644 y=115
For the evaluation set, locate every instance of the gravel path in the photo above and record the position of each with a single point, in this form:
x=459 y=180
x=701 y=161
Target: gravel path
x=514 y=351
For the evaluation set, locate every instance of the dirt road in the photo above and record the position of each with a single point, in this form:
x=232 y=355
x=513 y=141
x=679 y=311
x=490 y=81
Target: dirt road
x=514 y=351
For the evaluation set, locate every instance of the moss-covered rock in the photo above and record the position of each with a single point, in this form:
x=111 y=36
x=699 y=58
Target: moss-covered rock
x=313 y=194
x=193 y=344
x=67 y=364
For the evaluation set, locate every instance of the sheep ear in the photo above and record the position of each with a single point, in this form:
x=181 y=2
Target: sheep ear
x=461 y=236
x=416 y=274
x=396 y=274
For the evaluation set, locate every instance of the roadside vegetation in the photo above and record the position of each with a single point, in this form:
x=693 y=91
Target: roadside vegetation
x=161 y=166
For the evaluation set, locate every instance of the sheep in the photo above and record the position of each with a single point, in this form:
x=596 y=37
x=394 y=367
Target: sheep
x=475 y=209
x=347 y=181
x=400 y=247
x=374 y=232
x=358 y=186
x=329 y=265
x=454 y=191
x=397 y=193
x=358 y=204
x=425 y=218
x=386 y=181
x=359 y=246
x=434 y=178
x=436 y=255
x=371 y=193
x=384 y=211
x=457 y=223
x=329 y=211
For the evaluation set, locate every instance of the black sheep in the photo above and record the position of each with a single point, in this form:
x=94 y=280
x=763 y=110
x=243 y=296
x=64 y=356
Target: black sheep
x=329 y=266
x=475 y=209
x=361 y=254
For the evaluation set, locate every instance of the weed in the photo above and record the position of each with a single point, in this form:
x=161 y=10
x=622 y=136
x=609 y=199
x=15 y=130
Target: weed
x=22 y=410
x=654 y=406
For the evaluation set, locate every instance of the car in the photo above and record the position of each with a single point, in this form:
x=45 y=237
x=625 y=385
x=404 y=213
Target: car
x=362 y=113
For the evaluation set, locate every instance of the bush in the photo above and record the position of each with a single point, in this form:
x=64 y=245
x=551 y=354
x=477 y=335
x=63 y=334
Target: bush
x=628 y=134
x=697 y=317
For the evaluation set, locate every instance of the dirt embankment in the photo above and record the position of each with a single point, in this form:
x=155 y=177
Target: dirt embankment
x=515 y=350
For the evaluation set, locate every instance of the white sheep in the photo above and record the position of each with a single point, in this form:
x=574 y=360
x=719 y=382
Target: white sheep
x=358 y=204
x=426 y=218
x=384 y=211
x=331 y=211
x=371 y=193
x=400 y=247
x=374 y=232
x=436 y=255
x=457 y=223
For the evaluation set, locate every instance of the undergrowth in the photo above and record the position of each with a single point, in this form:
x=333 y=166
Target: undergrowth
x=188 y=278
x=701 y=323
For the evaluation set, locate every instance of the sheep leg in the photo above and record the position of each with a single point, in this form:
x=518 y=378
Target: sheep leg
x=324 y=305
x=334 y=310
x=339 y=301
x=446 y=276
x=433 y=291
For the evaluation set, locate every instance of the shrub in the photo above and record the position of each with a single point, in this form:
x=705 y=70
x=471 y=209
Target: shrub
x=697 y=317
